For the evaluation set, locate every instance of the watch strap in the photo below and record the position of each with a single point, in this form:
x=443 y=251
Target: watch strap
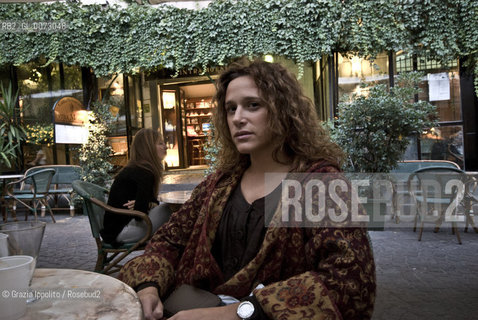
x=259 y=313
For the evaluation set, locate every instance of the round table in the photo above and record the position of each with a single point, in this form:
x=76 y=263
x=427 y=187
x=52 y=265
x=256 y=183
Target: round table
x=175 y=198
x=79 y=294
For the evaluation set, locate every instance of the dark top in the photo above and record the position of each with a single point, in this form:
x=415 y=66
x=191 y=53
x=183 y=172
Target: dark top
x=242 y=229
x=131 y=183
x=240 y=235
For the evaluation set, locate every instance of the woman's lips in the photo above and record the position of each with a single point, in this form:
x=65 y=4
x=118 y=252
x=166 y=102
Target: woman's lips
x=242 y=135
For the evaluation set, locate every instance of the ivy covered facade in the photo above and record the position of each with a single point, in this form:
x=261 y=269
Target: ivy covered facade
x=330 y=44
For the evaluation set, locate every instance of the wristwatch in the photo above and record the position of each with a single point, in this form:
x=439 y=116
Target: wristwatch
x=245 y=310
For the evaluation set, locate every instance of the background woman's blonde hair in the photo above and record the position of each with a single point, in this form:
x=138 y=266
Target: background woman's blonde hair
x=144 y=154
x=291 y=115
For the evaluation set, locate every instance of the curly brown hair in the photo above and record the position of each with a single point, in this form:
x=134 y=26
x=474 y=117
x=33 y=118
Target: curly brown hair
x=291 y=117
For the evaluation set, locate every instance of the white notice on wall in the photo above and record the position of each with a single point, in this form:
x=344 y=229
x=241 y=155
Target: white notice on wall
x=438 y=86
x=70 y=134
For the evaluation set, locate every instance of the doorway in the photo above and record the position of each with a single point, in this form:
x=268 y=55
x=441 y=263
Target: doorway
x=186 y=111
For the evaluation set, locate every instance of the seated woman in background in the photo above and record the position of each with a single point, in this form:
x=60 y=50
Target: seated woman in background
x=136 y=187
x=220 y=241
x=40 y=159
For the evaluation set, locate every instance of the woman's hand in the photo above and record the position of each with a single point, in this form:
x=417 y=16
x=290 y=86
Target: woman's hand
x=152 y=306
x=130 y=204
x=228 y=312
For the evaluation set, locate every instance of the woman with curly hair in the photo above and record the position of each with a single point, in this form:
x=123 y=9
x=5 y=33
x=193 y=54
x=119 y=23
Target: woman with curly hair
x=221 y=240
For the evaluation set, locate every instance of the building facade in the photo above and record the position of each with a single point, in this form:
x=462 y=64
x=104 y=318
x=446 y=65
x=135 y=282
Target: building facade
x=181 y=106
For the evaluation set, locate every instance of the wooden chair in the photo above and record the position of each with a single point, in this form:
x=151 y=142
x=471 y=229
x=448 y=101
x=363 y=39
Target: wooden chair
x=437 y=192
x=36 y=195
x=109 y=257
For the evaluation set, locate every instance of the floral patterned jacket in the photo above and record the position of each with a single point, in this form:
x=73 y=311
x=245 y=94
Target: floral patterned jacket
x=308 y=273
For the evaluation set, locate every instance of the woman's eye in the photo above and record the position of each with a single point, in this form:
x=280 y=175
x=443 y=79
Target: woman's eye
x=254 y=105
x=230 y=109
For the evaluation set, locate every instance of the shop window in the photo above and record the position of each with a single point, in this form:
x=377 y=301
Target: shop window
x=119 y=146
x=134 y=103
x=404 y=62
x=111 y=92
x=170 y=127
x=443 y=143
x=353 y=70
x=441 y=85
x=72 y=80
x=41 y=86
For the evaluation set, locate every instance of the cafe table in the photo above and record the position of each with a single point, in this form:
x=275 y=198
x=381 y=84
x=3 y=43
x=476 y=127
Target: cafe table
x=78 y=294
x=175 y=198
x=4 y=179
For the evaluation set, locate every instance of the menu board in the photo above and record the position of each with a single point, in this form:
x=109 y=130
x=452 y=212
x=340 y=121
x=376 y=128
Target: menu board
x=438 y=86
x=70 y=134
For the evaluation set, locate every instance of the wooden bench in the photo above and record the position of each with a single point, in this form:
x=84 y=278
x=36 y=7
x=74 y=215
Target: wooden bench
x=61 y=184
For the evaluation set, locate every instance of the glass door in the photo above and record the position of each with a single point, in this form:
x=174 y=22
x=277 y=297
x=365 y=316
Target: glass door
x=171 y=125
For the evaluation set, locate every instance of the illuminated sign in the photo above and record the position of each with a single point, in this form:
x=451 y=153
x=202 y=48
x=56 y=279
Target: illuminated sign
x=69 y=110
x=70 y=120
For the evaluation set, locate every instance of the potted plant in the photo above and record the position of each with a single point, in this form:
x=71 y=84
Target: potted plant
x=374 y=128
x=95 y=153
x=12 y=132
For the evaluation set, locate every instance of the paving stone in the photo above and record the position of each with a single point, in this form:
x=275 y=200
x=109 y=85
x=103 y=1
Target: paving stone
x=435 y=278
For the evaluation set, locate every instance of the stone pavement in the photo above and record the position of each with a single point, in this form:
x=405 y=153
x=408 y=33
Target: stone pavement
x=433 y=279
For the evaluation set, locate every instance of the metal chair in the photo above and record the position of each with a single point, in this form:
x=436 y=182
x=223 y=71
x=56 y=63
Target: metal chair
x=471 y=198
x=400 y=176
x=109 y=257
x=437 y=192
x=37 y=194
x=60 y=186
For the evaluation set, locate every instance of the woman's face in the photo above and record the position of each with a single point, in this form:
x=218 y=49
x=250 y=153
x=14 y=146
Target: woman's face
x=247 y=117
x=161 y=149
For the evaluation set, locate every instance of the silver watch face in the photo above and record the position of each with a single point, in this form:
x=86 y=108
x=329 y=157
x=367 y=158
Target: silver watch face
x=245 y=310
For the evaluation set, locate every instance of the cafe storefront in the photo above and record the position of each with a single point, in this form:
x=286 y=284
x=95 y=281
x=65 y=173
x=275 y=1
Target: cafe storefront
x=180 y=106
x=447 y=86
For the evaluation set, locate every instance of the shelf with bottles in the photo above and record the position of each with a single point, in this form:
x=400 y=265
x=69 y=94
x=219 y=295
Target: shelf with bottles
x=196 y=113
x=195 y=131
x=198 y=103
x=198 y=107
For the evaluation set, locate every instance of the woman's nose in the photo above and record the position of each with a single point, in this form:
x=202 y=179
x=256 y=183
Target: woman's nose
x=238 y=116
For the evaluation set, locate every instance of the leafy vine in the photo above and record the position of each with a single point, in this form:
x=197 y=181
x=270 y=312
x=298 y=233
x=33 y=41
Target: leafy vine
x=111 y=39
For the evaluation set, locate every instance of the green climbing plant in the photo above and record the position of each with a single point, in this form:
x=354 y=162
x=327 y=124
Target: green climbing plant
x=301 y=30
